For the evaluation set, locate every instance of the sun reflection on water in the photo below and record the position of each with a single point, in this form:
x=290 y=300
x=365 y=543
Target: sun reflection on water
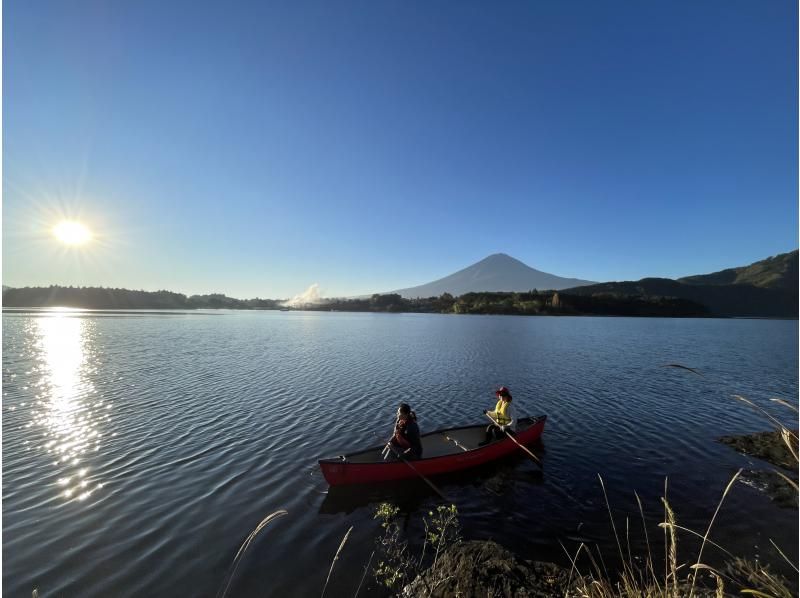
x=68 y=409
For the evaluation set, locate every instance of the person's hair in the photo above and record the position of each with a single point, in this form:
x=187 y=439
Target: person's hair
x=506 y=395
x=405 y=409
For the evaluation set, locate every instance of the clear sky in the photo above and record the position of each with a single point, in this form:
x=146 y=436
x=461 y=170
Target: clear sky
x=256 y=148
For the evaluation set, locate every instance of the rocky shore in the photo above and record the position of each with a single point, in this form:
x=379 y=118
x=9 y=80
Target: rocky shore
x=770 y=447
x=484 y=568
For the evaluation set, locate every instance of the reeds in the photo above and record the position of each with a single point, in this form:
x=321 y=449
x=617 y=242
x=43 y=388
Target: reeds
x=708 y=531
x=245 y=545
x=671 y=567
x=336 y=558
x=758 y=576
x=751 y=578
x=641 y=580
x=366 y=569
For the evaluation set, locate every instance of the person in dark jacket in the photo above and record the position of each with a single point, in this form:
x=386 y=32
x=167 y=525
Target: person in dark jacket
x=406 y=433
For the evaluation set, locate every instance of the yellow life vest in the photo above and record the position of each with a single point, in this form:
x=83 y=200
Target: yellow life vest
x=500 y=413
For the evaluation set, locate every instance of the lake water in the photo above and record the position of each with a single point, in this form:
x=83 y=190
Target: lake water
x=141 y=448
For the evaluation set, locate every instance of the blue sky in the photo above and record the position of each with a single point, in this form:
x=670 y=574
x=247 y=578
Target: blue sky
x=257 y=148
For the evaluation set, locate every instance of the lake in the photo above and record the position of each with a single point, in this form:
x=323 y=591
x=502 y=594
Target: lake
x=141 y=448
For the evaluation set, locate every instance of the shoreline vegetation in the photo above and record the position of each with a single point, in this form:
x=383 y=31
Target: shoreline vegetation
x=443 y=563
x=534 y=302
x=486 y=568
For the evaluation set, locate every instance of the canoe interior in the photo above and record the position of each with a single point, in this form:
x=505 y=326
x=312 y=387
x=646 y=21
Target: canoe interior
x=440 y=442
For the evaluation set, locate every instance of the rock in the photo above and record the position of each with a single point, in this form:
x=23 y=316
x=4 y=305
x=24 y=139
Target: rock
x=481 y=569
x=774 y=486
x=770 y=447
x=764 y=445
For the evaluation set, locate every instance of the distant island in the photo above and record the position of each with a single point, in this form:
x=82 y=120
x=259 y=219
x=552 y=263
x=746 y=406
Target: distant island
x=768 y=288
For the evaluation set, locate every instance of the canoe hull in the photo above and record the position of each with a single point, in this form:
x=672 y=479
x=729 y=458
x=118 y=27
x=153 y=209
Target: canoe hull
x=339 y=472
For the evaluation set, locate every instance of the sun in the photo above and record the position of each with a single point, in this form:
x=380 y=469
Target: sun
x=72 y=233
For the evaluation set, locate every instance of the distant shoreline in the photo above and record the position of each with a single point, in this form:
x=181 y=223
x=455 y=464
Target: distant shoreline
x=195 y=310
x=572 y=302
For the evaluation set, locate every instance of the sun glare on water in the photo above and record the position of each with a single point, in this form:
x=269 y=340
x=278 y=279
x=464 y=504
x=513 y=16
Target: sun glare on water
x=72 y=233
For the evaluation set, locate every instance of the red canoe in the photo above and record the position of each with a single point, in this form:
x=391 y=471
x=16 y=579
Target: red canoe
x=444 y=451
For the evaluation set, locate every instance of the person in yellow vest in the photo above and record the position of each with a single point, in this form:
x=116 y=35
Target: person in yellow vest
x=503 y=415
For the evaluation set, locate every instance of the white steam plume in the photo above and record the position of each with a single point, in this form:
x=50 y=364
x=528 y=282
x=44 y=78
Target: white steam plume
x=310 y=295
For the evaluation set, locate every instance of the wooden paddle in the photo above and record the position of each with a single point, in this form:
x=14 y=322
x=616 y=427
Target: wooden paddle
x=454 y=441
x=416 y=471
x=532 y=456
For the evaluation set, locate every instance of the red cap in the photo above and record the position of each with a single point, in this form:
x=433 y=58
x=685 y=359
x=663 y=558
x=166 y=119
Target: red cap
x=502 y=392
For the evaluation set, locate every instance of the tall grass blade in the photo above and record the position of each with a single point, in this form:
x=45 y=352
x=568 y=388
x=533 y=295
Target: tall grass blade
x=767 y=415
x=788 y=479
x=666 y=545
x=710 y=524
x=602 y=562
x=573 y=561
x=720 y=586
x=369 y=562
x=785 y=404
x=672 y=570
x=785 y=558
x=720 y=589
x=611 y=517
x=628 y=541
x=787 y=440
x=336 y=558
x=647 y=540
x=238 y=558
x=694 y=533
x=683 y=367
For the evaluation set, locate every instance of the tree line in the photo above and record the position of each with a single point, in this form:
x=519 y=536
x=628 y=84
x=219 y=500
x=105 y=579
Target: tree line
x=107 y=298
x=533 y=302
x=526 y=303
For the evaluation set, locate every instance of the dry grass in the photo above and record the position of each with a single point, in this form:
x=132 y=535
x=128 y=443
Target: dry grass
x=640 y=580
x=637 y=580
x=708 y=531
x=336 y=558
x=245 y=545
x=761 y=581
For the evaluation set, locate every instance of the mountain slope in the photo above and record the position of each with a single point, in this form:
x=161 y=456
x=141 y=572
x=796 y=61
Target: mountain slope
x=498 y=272
x=778 y=272
x=731 y=292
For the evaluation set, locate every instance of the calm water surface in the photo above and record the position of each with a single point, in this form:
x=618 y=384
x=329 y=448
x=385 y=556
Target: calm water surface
x=140 y=449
